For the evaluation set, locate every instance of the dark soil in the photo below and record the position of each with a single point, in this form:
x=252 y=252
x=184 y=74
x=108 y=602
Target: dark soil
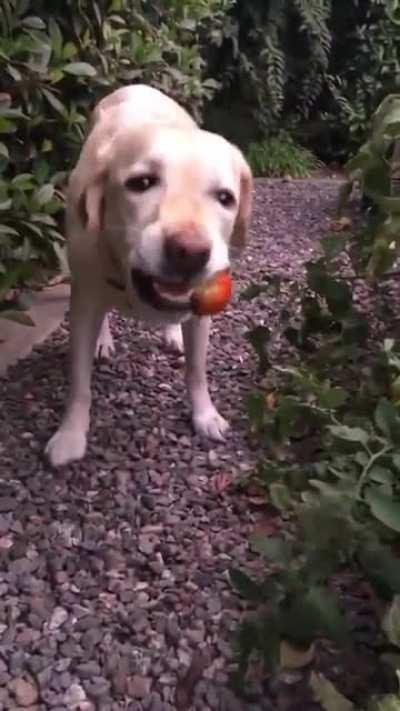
x=113 y=571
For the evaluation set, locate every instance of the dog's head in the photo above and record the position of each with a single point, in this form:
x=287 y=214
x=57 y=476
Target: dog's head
x=169 y=202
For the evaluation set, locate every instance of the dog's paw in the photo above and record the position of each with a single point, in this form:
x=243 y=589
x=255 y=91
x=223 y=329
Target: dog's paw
x=173 y=339
x=65 y=446
x=105 y=348
x=210 y=424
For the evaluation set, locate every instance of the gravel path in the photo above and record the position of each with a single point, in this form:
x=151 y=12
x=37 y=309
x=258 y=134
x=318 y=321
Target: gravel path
x=113 y=571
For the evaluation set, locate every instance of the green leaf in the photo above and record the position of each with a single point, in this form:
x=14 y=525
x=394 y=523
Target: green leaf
x=389 y=702
x=332 y=398
x=380 y=475
x=255 y=405
x=80 y=69
x=23 y=181
x=350 y=434
x=56 y=37
x=388 y=204
x=54 y=102
x=44 y=194
x=391 y=621
x=7 y=230
x=327 y=695
x=275 y=549
x=69 y=51
x=387 y=419
x=334 y=244
x=245 y=586
x=7 y=126
x=311 y=614
x=34 y=23
x=337 y=293
x=280 y=496
x=4 y=151
x=382 y=569
x=384 y=508
x=258 y=337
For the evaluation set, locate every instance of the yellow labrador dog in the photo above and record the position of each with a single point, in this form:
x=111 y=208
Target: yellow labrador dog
x=153 y=205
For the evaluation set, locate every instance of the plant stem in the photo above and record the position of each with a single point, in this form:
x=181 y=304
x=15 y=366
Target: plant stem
x=366 y=470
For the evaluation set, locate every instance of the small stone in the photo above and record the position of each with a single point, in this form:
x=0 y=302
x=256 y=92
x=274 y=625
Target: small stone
x=25 y=692
x=147 y=543
x=58 y=618
x=195 y=636
x=139 y=686
x=7 y=503
x=212 y=458
x=74 y=696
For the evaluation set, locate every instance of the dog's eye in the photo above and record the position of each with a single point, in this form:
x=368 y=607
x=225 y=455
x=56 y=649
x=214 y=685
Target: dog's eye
x=225 y=197
x=141 y=183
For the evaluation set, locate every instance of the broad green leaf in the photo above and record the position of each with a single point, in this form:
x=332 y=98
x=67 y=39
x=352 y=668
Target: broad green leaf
x=311 y=614
x=4 y=151
x=34 y=23
x=336 y=292
x=245 y=586
x=80 y=69
x=381 y=475
x=44 y=194
x=382 y=569
x=23 y=181
x=275 y=549
x=332 y=398
x=389 y=702
x=69 y=51
x=391 y=621
x=7 y=126
x=255 y=405
x=7 y=230
x=387 y=419
x=334 y=244
x=327 y=695
x=384 y=508
x=56 y=37
x=280 y=496
x=350 y=434
x=56 y=104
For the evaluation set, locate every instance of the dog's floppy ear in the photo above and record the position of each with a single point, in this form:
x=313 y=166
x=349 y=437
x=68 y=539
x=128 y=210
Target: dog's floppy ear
x=91 y=204
x=87 y=182
x=239 y=236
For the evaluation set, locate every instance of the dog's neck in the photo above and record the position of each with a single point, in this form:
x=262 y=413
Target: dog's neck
x=112 y=271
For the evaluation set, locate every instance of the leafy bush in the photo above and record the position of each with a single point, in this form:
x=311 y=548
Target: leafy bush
x=56 y=60
x=376 y=167
x=280 y=156
x=315 y=67
x=330 y=430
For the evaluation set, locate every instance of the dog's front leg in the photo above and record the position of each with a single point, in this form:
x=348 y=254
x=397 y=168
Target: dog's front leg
x=206 y=419
x=86 y=315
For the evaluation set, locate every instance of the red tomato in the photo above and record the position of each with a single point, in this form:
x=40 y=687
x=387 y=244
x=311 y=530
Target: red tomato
x=213 y=296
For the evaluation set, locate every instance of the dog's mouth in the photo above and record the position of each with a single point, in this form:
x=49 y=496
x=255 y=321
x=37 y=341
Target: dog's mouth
x=163 y=294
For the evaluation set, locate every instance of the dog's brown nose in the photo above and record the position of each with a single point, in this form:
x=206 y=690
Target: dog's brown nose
x=186 y=254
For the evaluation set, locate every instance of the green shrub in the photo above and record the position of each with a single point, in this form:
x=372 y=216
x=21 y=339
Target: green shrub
x=376 y=167
x=280 y=156
x=56 y=60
